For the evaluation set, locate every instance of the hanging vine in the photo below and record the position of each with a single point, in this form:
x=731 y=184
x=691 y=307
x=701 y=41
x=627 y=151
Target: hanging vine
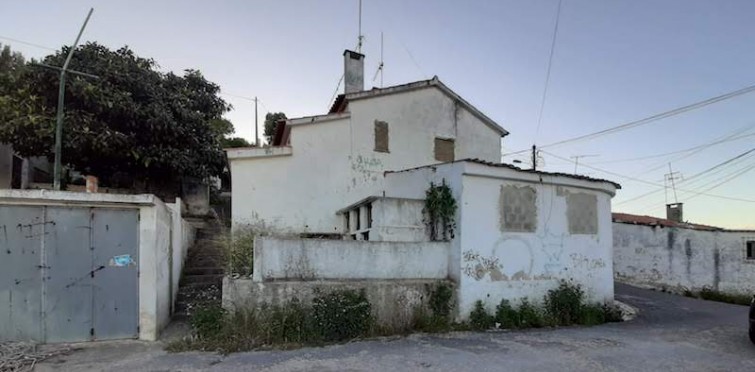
x=440 y=212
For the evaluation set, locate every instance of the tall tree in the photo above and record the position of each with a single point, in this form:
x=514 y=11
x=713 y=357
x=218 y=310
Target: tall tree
x=134 y=119
x=271 y=124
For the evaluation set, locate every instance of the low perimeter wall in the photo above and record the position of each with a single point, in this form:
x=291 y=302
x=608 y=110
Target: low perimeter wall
x=683 y=259
x=393 y=302
x=322 y=259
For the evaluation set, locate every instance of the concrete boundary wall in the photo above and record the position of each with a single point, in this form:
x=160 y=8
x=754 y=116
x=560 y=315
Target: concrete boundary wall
x=393 y=302
x=323 y=259
x=681 y=259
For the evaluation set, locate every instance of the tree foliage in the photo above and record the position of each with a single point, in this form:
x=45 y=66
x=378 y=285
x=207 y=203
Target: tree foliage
x=133 y=119
x=271 y=121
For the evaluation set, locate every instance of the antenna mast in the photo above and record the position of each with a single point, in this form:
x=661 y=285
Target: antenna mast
x=360 y=37
x=380 y=66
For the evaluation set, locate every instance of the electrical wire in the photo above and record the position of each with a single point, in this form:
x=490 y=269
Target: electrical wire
x=548 y=71
x=27 y=43
x=645 y=181
x=649 y=119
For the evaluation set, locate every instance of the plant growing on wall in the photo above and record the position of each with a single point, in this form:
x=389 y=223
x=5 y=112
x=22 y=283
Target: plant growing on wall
x=440 y=211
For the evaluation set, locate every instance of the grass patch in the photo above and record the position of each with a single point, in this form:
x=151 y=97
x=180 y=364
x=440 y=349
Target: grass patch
x=713 y=295
x=562 y=306
x=238 y=250
x=332 y=317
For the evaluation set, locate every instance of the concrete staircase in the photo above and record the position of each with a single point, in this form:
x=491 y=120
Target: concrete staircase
x=202 y=277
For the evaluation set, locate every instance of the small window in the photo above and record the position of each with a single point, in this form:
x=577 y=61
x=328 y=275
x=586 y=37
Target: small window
x=750 y=247
x=444 y=149
x=381 y=136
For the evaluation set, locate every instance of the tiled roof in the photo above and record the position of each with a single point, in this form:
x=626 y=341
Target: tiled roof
x=662 y=222
x=509 y=166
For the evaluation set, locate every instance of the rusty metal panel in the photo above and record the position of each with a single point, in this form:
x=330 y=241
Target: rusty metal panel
x=21 y=229
x=115 y=238
x=67 y=290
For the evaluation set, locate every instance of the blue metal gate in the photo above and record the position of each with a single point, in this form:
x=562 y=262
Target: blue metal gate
x=68 y=273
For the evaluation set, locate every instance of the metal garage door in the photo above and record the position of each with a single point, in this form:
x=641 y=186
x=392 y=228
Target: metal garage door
x=68 y=274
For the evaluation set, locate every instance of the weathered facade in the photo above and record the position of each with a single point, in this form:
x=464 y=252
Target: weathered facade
x=677 y=256
x=339 y=157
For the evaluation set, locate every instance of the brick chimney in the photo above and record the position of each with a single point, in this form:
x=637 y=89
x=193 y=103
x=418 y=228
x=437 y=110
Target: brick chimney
x=353 y=71
x=674 y=212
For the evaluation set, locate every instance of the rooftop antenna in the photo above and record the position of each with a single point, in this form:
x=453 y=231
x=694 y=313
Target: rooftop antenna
x=360 y=37
x=380 y=66
x=672 y=176
x=576 y=160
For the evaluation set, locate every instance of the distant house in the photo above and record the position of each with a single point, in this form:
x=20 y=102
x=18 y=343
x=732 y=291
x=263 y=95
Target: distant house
x=361 y=172
x=675 y=255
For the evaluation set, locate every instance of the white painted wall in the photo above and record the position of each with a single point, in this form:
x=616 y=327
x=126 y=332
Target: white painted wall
x=182 y=237
x=323 y=259
x=333 y=164
x=489 y=264
x=680 y=258
x=398 y=220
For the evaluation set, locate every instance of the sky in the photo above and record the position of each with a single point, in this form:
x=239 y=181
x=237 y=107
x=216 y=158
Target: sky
x=613 y=62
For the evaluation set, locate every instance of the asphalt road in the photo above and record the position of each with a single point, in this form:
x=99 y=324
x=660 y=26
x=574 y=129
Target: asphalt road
x=671 y=333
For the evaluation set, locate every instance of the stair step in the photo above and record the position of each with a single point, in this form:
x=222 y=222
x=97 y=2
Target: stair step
x=203 y=270
x=204 y=279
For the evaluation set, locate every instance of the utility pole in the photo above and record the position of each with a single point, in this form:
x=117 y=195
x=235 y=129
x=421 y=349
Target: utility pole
x=576 y=160
x=57 y=169
x=534 y=157
x=256 y=135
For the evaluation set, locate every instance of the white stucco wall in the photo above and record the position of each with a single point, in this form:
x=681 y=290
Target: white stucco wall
x=680 y=258
x=398 y=220
x=182 y=237
x=324 y=259
x=489 y=264
x=332 y=164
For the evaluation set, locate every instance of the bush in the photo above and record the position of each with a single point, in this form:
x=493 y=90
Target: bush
x=506 y=316
x=440 y=300
x=479 y=318
x=531 y=316
x=208 y=321
x=592 y=315
x=564 y=303
x=239 y=252
x=342 y=315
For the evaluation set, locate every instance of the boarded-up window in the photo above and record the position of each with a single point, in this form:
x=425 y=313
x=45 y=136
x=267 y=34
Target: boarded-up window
x=518 y=208
x=582 y=213
x=381 y=136
x=444 y=149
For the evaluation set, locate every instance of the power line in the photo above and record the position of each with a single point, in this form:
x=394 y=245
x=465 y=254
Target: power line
x=548 y=71
x=27 y=43
x=645 y=181
x=649 y=119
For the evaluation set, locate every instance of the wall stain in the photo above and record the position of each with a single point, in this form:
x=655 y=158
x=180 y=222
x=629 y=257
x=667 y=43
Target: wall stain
x=716 y=268
x=688 y=254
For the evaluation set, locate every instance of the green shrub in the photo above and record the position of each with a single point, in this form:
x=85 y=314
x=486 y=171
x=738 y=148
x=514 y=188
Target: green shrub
x=506 y=316
x=208 y=321
x=530 y=315
x=289 y=324
x=440 y=299
x=239 y=252
x=425 y=321
x=479 y=318
x=341 y=315
x=592 y=315
x=564 y=304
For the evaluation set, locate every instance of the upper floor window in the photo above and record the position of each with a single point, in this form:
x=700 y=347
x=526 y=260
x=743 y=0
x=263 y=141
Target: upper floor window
x=444 y=149
x=381 y=136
